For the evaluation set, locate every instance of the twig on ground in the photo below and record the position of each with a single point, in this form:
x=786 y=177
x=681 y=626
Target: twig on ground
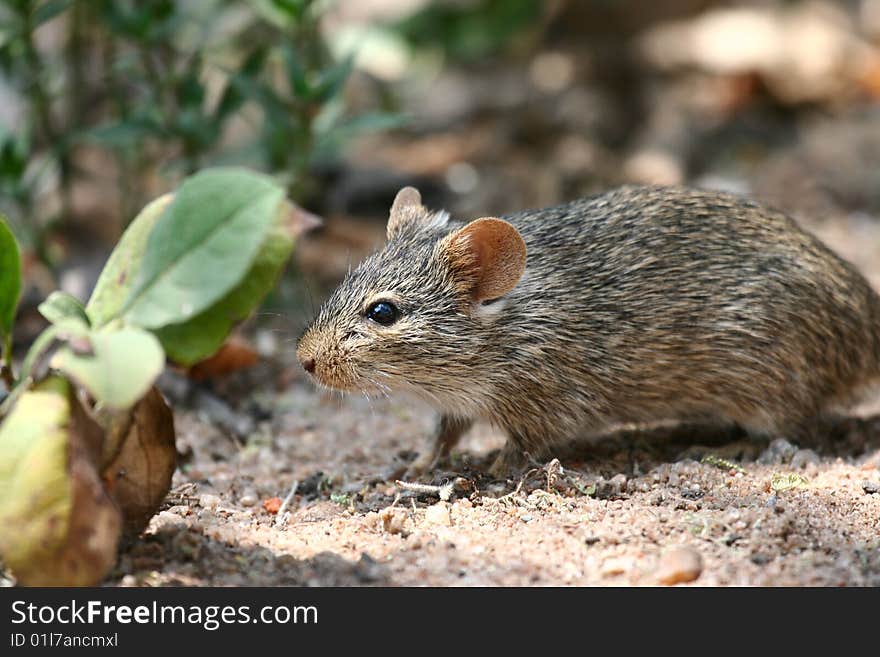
x=279 y=518
x=444 y=492
x=553 y=470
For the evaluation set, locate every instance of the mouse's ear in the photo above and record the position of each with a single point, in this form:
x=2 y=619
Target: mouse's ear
x=407 y=207
x=488 y=256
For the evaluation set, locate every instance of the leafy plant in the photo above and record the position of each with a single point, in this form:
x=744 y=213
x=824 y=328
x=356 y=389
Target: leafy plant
x=157 y=85
x=783 y=481
x=469 y=31
x=86 y=441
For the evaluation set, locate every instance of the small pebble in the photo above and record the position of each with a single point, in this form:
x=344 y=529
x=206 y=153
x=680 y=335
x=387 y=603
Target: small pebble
x=168 y=521
x=614 y=566
x=870 y=487
x=415 y=541
x=208 y=501
x=678 y=565
x=248 y=498
x=778 y=452
x=438 y=514
x=804 y=457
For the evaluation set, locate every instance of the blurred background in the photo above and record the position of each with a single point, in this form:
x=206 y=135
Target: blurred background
x=488 y=106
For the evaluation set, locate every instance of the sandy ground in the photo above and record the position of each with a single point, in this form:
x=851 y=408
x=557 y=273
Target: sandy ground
x=645 y=507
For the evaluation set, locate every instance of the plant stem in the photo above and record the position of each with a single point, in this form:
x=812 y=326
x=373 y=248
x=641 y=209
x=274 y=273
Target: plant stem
x=305 y=34
x=43 y=109
x=6 y=365
x=76 y=58
x=125 y=155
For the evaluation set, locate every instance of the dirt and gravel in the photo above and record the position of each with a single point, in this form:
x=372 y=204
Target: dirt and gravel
x=649 y=506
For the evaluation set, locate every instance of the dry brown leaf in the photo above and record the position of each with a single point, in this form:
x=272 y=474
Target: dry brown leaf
x=236 y=354
x=139 y=476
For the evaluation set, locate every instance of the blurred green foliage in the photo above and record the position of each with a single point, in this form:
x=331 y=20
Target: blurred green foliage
x=468 y=31
x=165 y=87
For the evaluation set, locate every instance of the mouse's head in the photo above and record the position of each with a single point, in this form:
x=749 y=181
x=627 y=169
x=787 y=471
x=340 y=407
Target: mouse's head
x=406 y=318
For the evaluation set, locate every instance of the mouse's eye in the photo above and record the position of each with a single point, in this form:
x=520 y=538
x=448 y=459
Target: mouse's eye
x=383 y=312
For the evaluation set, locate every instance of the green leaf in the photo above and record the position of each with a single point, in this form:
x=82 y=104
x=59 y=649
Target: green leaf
x=60 y=306
x=204 y=334
x=10 y=279
x=116 y=279
x=233 y=97
x=283 y=14
x=15 y=153
x=121 y=368
x=331 y=81
x=296 y=75
x=265 y=95
x=202 y=246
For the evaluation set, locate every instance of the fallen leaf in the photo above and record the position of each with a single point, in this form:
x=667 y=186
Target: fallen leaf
x=139 y=475
x=235 y=354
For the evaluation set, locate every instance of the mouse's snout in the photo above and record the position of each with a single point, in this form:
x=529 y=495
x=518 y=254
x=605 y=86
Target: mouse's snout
x=305 y=356
x=327 y=362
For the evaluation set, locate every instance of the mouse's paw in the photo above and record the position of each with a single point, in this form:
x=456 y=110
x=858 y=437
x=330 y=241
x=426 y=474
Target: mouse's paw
x=510 y=458
x=423 y=463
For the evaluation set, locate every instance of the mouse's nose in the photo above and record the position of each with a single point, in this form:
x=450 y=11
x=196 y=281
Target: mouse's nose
x=308 y=364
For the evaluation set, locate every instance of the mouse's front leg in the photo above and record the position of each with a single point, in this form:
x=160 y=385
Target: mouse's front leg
x=450 y=429
x=513 y=456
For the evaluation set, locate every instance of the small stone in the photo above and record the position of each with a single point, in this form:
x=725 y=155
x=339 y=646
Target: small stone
x=438 y=514
x=415 y=541
x=679 y=565
x=165 y=520
x=208 y=501
x=870 y=487
x=778 y=452
x=804 y=457
x=614 y=566
x=248 y=498
x=180 y=509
